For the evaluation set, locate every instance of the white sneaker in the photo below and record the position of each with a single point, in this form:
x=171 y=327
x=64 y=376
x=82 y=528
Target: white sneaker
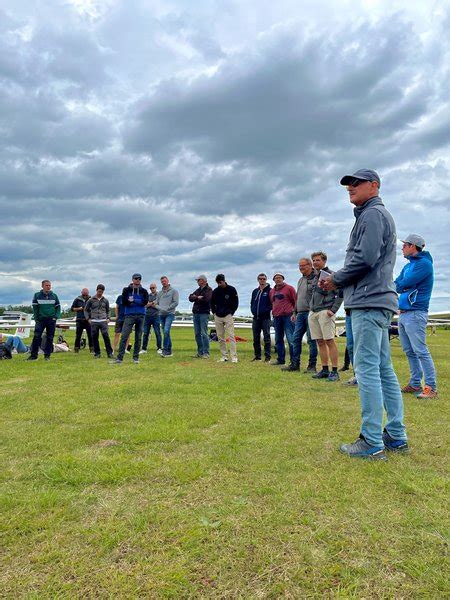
x=143 y=352
x=234 y=359
x=223 y=359
x=159 y=351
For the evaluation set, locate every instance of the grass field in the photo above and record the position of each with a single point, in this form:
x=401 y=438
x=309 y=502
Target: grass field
x=178 y=478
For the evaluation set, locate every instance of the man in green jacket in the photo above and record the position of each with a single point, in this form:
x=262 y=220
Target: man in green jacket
x=46 y=309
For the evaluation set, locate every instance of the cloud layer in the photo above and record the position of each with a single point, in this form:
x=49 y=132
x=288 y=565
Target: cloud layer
x=164 y=139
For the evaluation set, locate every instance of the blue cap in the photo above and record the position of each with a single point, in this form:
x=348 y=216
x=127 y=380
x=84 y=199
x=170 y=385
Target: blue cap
x=363 y=174
x=137 y=276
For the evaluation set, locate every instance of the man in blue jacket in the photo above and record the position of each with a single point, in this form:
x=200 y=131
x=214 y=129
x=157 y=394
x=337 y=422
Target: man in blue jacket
x=415 y=284
x=134 y=299
x=369 y=293
x=260 y=305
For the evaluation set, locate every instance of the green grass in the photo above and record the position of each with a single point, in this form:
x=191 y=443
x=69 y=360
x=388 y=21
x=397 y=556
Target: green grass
x=180 y=478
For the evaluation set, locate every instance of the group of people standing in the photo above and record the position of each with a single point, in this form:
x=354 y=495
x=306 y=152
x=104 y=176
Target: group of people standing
x=364 y=284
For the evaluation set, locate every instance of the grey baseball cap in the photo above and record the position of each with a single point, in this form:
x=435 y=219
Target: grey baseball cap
x=201 y=276
x=364 y=174
x=416 y=240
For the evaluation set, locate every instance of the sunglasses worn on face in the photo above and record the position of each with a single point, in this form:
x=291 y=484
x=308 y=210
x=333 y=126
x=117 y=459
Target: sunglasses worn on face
x=355 y=182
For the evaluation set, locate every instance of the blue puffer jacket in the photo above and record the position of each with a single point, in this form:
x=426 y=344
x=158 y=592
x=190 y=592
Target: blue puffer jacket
x=415 y=282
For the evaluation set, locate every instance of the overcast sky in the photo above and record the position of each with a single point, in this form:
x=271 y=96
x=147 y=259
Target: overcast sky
x=180 y=137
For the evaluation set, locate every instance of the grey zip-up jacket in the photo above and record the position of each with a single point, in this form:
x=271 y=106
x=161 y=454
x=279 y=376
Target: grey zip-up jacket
x=305 y=288
x=167 y=301
x=321 y=300
x=97 y=309
x=367 y=275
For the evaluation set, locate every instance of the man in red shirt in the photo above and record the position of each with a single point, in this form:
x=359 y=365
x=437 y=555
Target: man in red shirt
x=283 y=298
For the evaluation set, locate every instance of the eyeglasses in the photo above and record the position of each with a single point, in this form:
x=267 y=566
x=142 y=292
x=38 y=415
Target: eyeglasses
x=137 y=278
x=355 y=182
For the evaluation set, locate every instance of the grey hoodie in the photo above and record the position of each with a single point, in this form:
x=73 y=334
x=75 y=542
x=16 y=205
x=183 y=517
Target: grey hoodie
x=369 y=262
x=167 y=301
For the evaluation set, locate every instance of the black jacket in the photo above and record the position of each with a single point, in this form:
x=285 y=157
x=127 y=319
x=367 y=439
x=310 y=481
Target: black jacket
x=224 y=301
x=260 y=303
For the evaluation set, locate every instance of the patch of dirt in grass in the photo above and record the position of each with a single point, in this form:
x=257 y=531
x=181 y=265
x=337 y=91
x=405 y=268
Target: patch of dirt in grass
x=106 y=443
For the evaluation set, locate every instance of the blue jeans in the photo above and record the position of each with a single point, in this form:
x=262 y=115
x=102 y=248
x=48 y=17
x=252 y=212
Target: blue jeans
x=301 y=327
x=412 y=327
x=152 y=320
x=166 y=322
x=201 y=333
x=283 y=325
x=377 y=382
x=15 y=342
x=48 y=324
x=349 y=336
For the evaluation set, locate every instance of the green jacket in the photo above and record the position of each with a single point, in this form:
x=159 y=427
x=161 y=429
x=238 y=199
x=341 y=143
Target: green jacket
x=45 y=306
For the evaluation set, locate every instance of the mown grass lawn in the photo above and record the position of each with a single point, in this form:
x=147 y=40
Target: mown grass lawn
x=183 y=478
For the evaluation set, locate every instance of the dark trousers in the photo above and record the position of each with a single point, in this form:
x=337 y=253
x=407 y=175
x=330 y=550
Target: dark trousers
x=138 y=322
x=102 y=327
x=261 y=325
x=82 y=325
x=48 y=325
x=152 y=321
x=301 y=327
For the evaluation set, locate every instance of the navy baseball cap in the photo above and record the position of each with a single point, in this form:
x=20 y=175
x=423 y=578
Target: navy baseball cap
x=363 y=174
x=137 y=276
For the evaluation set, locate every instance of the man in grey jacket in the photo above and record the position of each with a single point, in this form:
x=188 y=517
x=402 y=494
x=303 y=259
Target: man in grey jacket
x=370 y=295
x=166 y=303
x=96 y=313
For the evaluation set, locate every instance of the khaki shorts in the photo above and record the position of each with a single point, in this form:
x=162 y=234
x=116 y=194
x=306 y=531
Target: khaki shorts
x=321 y=326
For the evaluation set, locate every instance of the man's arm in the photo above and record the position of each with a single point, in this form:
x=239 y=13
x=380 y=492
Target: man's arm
x=213 y=302
x=175 y=300
x=57 y=308
x=35 y=307
x=366 y=252
x=87 y=309
x=412 y=277
x=234 y=301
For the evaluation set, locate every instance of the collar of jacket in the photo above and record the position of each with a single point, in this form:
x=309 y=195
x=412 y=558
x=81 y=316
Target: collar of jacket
x=375 y=201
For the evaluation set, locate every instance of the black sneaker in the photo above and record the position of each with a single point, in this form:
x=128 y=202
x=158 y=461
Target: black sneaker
x=291 y=368
x=277 y=363
x=310 y=369
x=256 y=358
x=394 y=445
x=344 y=368
x=32 y=358
x=321 y=375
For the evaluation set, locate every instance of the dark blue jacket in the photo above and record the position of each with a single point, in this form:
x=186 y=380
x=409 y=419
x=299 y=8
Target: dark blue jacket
x=415 y=282
x=139 y=296
x=260 y=303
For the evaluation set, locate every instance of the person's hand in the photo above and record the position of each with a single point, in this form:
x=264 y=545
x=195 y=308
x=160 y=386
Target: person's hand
x=330 y=313
x=199 y=297
x=327 y=285
x=293 y=318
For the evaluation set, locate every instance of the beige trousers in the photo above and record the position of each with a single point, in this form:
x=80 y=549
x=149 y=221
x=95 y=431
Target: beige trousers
x=225 y=329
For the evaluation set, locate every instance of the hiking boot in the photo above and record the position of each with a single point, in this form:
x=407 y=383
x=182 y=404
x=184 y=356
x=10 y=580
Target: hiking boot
x=427 y=393
x=321 y=375
x=394 y=445
x=291 y=367
x=409 y=389
x=333 y=376
x=277 y=363
x=361 y=449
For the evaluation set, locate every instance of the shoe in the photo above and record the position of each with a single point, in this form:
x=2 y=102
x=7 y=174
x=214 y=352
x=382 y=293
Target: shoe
x=129 y=347
x=277 y=363
x=136 y=361
x=205 y=356
x=76 y=350
x=223 y=359
x=344 y=368
x=267 y=359
x=310 y=369
x=142 y=351
x=234 y=359
x=117 y=361
x=127 y=352
x=32 y=358
x=256 y=358
x=321 y=375
x=159 y=351
x=47 y=358
x=291 y=367
x=333 y=376
x=409 y=389
x=197 y=356
x=394 y=445
x=111 y=355
x=166 y=354
x=96 y=355
x=352 y=381
x=361 y=449
x=427 y=393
